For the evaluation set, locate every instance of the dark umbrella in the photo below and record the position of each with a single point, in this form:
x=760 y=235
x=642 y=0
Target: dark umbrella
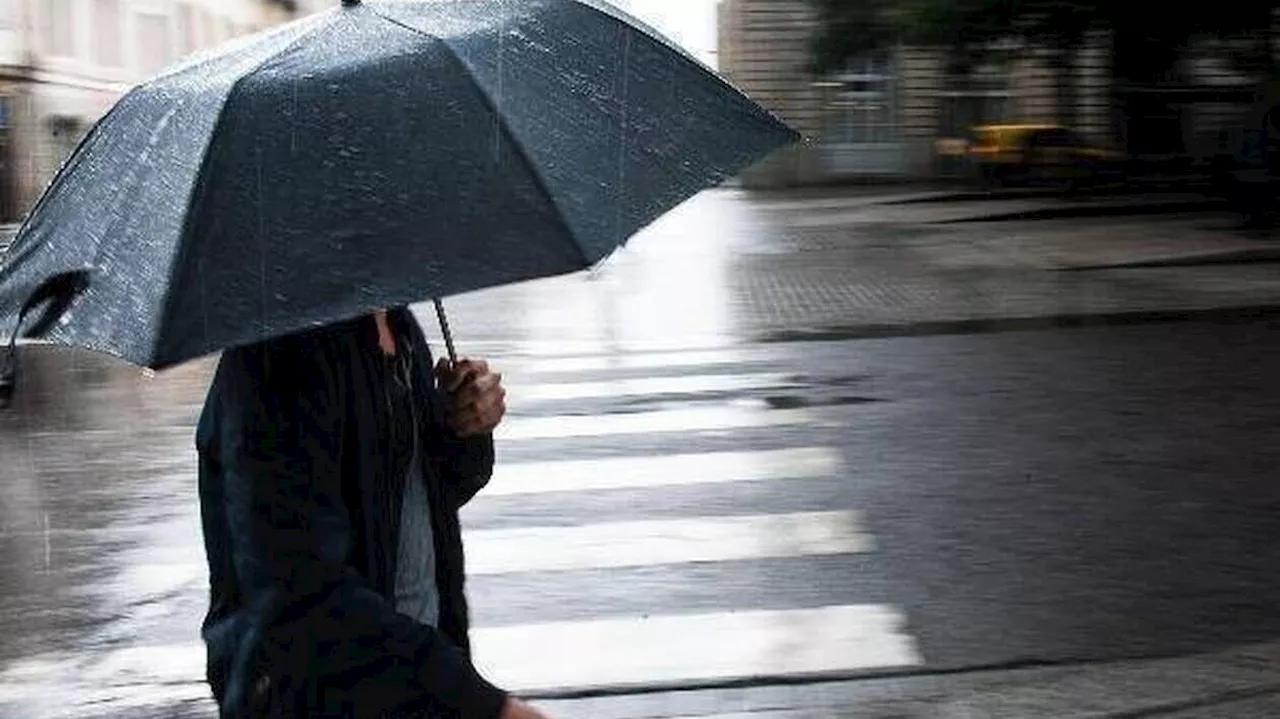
x=371 y=156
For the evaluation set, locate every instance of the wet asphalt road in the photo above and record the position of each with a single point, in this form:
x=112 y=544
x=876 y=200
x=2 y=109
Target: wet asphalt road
x=1035 y=496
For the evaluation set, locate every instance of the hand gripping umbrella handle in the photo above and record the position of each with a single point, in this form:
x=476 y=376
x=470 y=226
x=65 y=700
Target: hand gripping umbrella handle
x=444 y=331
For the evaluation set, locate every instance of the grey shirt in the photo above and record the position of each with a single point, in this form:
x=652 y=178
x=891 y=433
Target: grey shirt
x=416 y=593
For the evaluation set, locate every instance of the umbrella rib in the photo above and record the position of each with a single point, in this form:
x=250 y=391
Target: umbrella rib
x=193 y=65
x=511 y=136
x=200 y=185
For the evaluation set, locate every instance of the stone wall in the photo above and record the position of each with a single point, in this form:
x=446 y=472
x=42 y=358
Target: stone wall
x=765 y=52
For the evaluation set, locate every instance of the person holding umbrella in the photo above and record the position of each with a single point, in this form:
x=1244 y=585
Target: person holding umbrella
x=263 y=201
x=333 y=464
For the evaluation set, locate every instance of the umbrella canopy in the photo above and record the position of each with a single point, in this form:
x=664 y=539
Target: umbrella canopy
x=372 y=156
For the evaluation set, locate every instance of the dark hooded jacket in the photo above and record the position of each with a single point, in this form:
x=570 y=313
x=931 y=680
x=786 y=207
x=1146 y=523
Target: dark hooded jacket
x=301 y=489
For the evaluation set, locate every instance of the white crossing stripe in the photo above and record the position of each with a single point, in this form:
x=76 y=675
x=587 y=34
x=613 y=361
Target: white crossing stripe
x=692 y=647
x=604 y=545
x=606 y=651
x=647 y=360
x=610 y=545
x=659 y=471
x=687 y=384
x=679 y=420
x=139 y=581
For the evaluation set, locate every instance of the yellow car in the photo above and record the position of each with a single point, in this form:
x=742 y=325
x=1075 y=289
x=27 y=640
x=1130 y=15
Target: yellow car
x=1040 y=154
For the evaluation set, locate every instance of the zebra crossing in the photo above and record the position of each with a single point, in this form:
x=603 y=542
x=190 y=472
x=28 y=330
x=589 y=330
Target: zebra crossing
x=645 y=459
x=701 y=394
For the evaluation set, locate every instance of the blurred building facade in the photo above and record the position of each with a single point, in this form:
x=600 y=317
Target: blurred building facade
x=64 y=63
x=887 y=114
x=306 y=7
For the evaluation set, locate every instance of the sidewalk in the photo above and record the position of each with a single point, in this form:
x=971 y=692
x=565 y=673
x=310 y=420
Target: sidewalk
x=733 y=268
x=1238 y=682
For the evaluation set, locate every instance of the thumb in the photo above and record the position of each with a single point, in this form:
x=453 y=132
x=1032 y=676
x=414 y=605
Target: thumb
x=444 y=373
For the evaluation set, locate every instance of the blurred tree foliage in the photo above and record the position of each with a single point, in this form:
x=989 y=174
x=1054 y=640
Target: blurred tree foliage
x=1147 y=34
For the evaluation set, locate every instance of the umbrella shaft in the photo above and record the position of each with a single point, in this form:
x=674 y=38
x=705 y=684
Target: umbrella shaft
x=444 y=331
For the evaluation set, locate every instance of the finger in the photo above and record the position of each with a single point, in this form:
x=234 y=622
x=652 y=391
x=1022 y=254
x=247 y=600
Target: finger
x=478 y=388
x=499 y=413
x=472 y=365
x=478 y=420
x=476 y=427
x=444 y=372
x=458 y=376
x=465 y=416
x=493 y=415
x=490 y=411
x=478 y=414
x=487 y=405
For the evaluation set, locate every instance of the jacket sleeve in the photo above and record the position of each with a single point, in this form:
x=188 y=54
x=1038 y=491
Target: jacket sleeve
x=466 y=465
x=318 y=622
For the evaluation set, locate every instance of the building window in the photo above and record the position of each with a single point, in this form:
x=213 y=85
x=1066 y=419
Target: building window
x=107 y=47
x=155 y=42
x=860 y=106
x=59 y=32
x=980 y=96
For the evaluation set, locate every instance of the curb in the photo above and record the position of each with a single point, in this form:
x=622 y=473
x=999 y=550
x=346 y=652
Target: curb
x=994 y=195
x=821 y=677
x=1031 y=193
x=1113 y=688
x=1258 y=255
x=1244 y=313
x=1112 y=210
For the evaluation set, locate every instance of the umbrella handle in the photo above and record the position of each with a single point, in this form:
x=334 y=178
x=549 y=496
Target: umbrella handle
x=444 y=330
